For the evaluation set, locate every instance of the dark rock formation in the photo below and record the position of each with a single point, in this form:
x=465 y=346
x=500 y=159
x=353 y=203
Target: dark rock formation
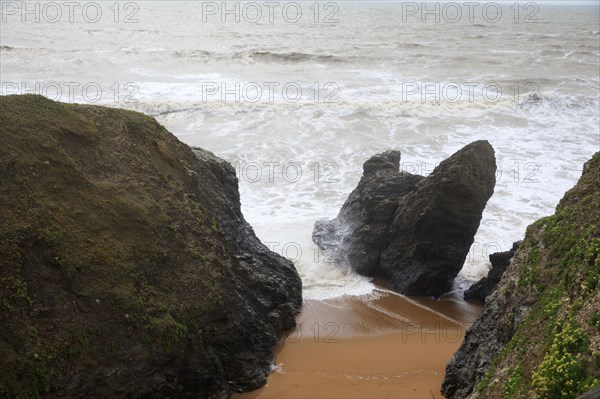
x=127 y=268
x=484 y=287
x=361 y=230
x=539 y=332
x=413 y=232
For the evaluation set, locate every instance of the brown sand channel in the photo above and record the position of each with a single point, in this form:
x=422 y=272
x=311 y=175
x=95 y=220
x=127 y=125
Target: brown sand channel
x=379 y=346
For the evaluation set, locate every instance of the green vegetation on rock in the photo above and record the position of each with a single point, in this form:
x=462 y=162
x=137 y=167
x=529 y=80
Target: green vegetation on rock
x=538 y=336
x=562 y=373
x=553 y=351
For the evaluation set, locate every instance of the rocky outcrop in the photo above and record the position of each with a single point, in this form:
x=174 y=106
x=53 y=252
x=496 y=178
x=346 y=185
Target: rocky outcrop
x=484 y=287
x=362 y=229
x=127 y=268
x=539 y=332
x=411 y=231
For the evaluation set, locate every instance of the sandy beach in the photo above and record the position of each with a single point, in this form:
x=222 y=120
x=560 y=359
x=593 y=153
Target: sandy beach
x=380 y=346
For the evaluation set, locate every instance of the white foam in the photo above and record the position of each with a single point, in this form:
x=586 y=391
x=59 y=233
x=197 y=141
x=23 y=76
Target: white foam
x=277 y=368
x=321 y=278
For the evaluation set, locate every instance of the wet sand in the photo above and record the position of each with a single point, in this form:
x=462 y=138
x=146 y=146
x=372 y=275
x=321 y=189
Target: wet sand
x=381 y=346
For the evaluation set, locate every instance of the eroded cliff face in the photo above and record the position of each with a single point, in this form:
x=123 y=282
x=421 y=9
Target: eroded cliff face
x=127 y=268
x=539 y=333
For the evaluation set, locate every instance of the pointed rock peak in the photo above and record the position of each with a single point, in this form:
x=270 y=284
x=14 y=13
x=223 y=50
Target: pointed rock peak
x=478 y=154
x=473 y=167
x=388 y=160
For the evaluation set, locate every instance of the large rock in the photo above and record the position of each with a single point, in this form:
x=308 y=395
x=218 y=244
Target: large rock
x=538 y=335
x=127 y=268
x=484 y=287
x=413 y=232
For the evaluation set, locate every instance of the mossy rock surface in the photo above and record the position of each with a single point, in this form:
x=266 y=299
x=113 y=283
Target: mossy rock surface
x=539 y=333
x=126 y=268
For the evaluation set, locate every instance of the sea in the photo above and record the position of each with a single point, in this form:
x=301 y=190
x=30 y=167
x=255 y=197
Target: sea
x=297 y=95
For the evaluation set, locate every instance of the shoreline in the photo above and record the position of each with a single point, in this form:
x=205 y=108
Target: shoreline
x=382 y=345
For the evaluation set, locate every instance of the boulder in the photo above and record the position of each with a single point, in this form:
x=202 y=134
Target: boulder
x=412 y=231
x=127 y=268
x=484 y=287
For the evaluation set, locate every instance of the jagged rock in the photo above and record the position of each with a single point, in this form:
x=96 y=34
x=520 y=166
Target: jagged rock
x=127 y=267
x=484 y=287
x=549 y=286
x=413 y=232
x=361 y=230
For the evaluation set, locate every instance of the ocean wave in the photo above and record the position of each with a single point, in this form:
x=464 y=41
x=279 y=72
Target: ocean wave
x=409 y=45
x=386 y=107
x=291 y=57
x=257 y=56
x=542 y=36
x=199 y=55
x=554 y=103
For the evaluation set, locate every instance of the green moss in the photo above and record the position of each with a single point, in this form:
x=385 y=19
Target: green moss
x=96 y=253
x=484 y=384
x=596 y=360
x=551 y=303
x=35 y=379
x=164 y=331
x=528 y=271
x=17 y=293
x=176 y=334
x=513 y=385
x=213 y=225
x=594 y=320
